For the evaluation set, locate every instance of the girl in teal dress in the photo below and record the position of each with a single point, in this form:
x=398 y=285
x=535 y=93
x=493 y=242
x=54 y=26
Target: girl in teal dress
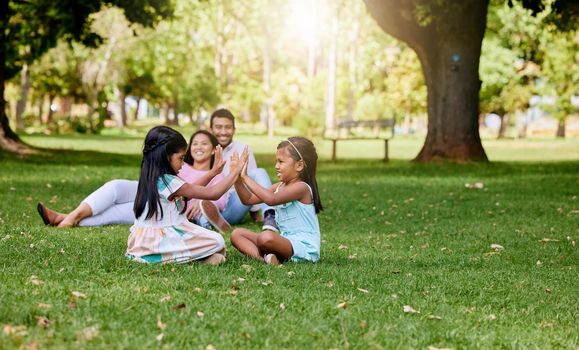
x=296 y=200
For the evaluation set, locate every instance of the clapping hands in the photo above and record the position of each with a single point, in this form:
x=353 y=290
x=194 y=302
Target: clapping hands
x=238 y=164
x=219 y=162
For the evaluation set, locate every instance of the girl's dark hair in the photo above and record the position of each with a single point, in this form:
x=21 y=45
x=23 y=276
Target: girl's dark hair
x=189 y=159
x=160 y=143
x=307 y=150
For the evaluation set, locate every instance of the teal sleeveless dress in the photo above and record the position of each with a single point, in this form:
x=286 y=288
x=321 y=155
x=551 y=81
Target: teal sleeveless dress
x=299 y=224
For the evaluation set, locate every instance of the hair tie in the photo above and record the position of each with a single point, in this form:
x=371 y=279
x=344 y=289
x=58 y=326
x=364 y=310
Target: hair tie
x=150 y=148
x=299 y=154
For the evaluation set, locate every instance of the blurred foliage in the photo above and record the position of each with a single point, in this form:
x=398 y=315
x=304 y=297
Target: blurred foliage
x=212 y=54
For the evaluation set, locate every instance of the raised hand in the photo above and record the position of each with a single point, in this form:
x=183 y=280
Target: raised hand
x=242 y=164
x=233 y=160
x=219 y=162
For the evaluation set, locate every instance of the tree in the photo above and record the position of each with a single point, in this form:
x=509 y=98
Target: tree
x=447 y=37
x=561 y=51
x=30 y=28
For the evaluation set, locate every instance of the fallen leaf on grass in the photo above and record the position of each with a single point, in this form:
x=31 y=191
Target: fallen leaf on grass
x=178 y=307
x=17 y=331
x=200 y=314
x=165 y=298
x=88 y=333
x=35 y=280
x=267 y=283
x=282 y=306
x=490 y=253
x=198 y=290
x=548 y=290
x=430 y=347
x=353 y=256
x=246 y=267
x=160 y=337
x=434 y=317
x=539 y=263
x=160 y=324
x=210 y=347
x=363 y=290
x=546 y=240
x=78 y=295
x=409 y=310
x=342 y=247
x=476 y=185
x=42 y=321
x=44 y=306
x=497 y=247
x=342 y=305
x=491 y=317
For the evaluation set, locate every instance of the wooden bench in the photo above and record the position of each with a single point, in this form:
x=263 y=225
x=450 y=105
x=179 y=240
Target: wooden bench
x=381 y=129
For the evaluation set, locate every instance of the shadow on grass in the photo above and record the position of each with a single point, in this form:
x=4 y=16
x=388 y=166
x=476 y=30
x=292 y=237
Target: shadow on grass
x=344 y=168
x=70 y=157
x=349 y=167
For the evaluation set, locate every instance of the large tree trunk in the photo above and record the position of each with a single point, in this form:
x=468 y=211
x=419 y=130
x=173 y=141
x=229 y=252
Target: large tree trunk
x=448 y=44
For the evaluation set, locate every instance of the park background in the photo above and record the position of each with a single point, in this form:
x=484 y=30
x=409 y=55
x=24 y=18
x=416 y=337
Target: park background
x=456 y=253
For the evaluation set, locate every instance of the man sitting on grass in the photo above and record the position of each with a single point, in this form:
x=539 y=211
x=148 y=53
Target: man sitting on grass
x=222 y=125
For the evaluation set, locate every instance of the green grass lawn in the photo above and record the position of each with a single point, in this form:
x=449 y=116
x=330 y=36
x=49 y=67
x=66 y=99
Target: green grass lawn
x=393 y=235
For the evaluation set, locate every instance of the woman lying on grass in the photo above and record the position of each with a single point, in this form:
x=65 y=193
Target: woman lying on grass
x=113 y=202
x=296 y=200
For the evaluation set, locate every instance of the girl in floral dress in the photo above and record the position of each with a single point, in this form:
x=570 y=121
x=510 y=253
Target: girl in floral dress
x=161 y=232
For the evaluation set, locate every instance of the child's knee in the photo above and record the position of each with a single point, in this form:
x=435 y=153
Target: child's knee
x=266 y=239
x=236 y=235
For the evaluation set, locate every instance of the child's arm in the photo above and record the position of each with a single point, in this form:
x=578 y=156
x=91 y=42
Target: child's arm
x=216 y=191
x=245 y=195
x=287 y=193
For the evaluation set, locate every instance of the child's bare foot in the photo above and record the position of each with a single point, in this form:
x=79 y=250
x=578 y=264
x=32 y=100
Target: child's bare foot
x=215 y=259
x=49 y=217
x=271 y=259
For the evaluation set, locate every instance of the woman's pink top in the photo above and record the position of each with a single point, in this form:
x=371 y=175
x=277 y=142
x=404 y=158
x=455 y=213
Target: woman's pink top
x=190 y=175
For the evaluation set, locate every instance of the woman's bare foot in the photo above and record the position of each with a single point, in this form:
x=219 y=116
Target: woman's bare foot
x=49 y=217
x=74 y=217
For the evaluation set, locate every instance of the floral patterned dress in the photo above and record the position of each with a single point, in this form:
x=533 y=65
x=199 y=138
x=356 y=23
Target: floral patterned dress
x=171 y=237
